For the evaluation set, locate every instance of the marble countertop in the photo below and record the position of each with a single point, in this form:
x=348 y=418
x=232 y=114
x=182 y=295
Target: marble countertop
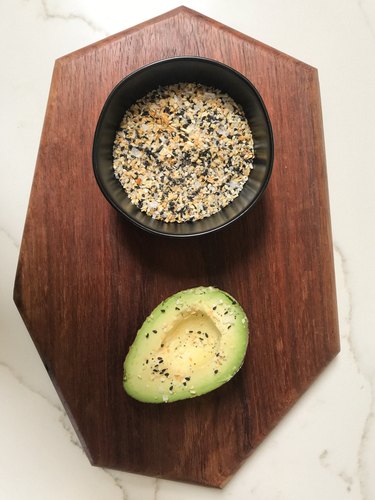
x=325 y=447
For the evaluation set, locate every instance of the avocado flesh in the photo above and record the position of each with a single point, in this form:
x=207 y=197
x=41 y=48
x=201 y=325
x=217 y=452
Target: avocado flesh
x=192 y=343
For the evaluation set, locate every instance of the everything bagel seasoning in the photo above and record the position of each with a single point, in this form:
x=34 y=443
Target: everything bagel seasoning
x=183 y=152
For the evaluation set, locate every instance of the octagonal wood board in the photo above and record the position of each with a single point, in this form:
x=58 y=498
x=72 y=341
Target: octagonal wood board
x=86 y=279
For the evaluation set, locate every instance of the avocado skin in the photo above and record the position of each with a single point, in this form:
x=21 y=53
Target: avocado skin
x=192 y=343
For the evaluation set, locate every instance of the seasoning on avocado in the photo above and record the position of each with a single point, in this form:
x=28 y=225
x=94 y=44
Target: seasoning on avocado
x=184 y=361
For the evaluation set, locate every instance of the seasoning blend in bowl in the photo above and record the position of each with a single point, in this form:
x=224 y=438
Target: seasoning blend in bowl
x=187 y=150
x=183 y=152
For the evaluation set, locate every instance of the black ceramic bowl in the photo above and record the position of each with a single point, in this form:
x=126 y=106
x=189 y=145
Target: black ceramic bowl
x=166 y=72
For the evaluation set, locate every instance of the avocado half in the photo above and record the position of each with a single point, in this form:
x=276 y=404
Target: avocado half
x=191 y=344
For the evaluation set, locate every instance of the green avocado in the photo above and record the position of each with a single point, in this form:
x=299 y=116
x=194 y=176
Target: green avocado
x=191 y=344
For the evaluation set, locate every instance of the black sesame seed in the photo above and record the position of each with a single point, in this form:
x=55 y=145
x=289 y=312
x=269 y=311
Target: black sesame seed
x=215 y=372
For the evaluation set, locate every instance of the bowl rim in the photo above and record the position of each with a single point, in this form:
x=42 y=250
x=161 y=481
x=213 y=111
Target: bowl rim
x=104 y=109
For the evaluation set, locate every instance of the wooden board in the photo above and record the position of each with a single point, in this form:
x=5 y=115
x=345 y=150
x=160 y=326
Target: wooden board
x=86 y=279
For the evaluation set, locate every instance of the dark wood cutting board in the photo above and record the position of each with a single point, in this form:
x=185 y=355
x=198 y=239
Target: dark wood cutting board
x=86 y=279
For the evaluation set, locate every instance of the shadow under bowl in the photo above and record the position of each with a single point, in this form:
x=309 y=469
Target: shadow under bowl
x=166 y=72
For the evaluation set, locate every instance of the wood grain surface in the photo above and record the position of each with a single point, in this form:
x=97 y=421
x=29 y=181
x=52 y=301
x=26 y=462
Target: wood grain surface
x=86 y=279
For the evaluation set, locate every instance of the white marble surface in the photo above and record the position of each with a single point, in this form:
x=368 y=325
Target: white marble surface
x=325 y=447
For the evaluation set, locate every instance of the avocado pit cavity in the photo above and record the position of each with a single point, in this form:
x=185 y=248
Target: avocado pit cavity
x=193 y=340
